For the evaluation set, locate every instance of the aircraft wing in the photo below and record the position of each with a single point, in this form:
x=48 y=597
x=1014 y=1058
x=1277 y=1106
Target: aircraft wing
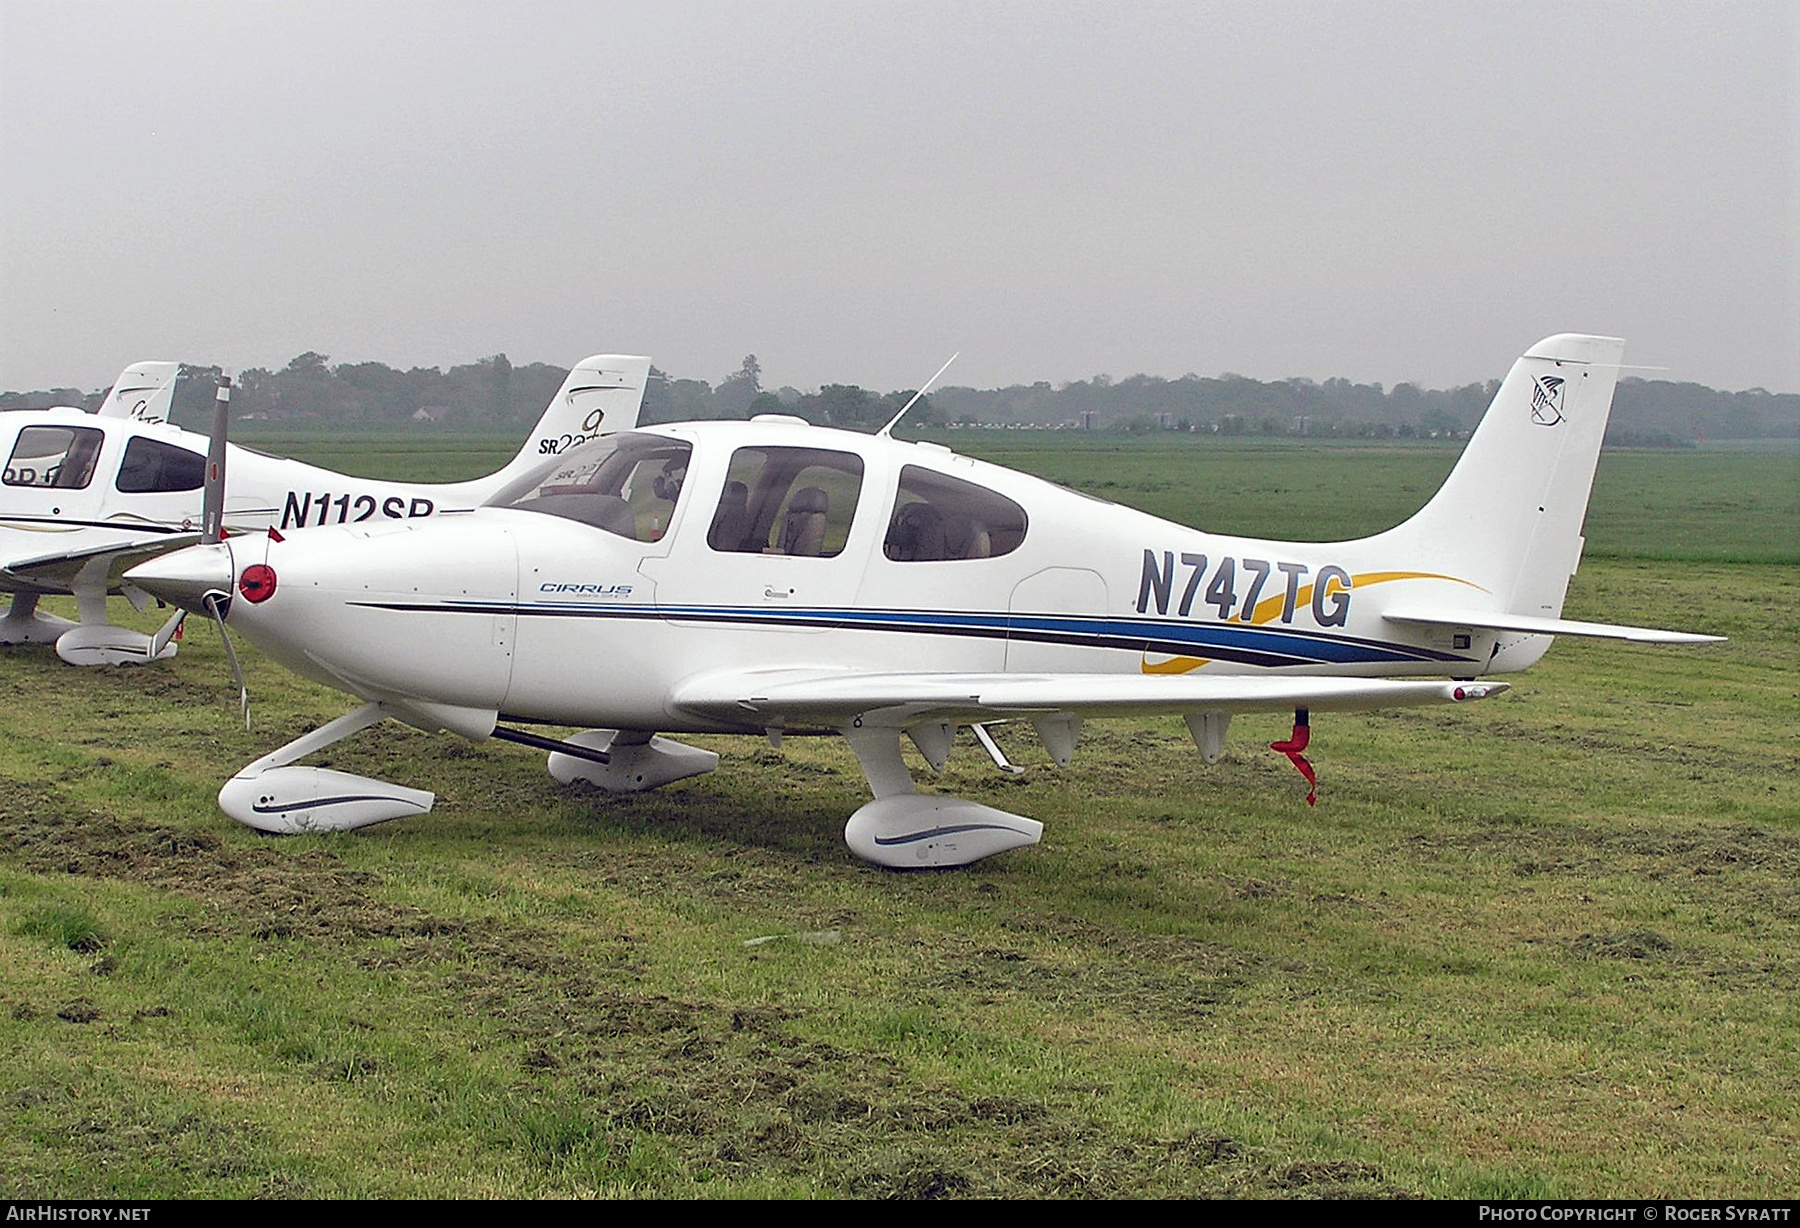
x=54 y=571
x=1489 y=620
x=836 y=698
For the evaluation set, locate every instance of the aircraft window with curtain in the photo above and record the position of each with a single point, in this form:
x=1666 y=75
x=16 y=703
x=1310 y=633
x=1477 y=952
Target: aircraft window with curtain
x=938 y=518
x=54 y=456
x=628 y=484
x=153 y=467
x=795 y=501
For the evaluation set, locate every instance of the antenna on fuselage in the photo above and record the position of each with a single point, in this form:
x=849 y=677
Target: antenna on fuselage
x=883 y=432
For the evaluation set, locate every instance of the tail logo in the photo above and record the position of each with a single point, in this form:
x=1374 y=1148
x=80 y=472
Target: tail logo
x=1547 y=400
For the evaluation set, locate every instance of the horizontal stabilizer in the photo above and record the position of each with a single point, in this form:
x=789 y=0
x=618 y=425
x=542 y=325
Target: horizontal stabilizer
x=1529 y=624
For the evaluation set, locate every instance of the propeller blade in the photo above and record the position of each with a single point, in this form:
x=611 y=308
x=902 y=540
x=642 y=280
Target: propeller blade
x=212 y=508
x=161 y=639
x=214 y=602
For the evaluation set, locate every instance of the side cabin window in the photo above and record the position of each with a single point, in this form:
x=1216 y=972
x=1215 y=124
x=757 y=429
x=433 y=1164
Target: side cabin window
x=797 y=501
x=938 y=518
x=625 y=484
x=58 y=456
x=153 y=467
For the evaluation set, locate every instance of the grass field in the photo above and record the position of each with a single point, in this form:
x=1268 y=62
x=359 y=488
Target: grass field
x=1541 y=947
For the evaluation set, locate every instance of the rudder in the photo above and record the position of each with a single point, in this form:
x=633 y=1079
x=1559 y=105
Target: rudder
x=1509 y=516
x=603 y=394
x=144 y=391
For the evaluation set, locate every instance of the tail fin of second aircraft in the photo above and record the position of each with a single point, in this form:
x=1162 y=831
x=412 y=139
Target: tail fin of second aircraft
x=603 y=394
x=1508 y=519
x=144 y=390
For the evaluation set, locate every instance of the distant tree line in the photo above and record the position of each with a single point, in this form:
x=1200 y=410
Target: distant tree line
x=1645 y=412
x=491 y=394
x=741 y=394
x=488 y=394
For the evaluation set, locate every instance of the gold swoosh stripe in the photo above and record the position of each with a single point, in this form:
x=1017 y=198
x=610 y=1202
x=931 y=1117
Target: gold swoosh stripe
x=1171 y=665
x=1270 y=608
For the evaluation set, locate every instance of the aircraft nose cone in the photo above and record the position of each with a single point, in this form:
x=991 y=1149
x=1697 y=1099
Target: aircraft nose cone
x=184 y=577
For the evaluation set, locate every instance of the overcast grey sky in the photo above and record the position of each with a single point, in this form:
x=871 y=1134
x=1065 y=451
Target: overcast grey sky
x=1384 y=191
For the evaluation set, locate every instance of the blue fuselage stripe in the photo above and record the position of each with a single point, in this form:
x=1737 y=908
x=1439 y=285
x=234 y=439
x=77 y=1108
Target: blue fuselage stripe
x=1263 y=646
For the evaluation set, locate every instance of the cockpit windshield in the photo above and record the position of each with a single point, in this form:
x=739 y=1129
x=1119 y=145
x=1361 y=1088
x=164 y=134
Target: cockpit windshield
x=626 y=484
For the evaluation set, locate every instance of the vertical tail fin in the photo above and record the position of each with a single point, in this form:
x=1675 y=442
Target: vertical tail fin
x=602 y=394
x=1509 y=516
x=144 y=390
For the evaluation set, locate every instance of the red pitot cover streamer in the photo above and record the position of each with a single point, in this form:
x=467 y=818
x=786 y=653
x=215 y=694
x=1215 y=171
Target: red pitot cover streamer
x=1293 y=748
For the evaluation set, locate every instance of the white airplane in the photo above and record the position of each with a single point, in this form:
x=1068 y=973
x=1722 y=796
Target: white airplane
x=771 y=577
x=85 y=496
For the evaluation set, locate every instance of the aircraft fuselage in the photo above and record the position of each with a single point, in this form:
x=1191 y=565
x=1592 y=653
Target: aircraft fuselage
x=543 y=618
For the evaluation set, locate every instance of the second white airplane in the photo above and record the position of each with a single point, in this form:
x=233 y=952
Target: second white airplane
x=85 y=496
x=774 y=578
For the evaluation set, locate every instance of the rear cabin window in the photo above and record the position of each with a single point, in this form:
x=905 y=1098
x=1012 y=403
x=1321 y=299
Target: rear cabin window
x=55 y=456
x=939 y=518
x=795 y=501
x=625 y=484
x=151 y=466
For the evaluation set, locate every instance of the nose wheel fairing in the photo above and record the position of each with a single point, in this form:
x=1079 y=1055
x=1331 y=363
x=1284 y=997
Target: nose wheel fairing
x=291 y=800
x=274 y=796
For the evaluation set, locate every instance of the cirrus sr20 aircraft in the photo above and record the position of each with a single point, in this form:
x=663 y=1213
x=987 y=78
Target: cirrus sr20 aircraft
x=85 y=496
x=770 y=577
